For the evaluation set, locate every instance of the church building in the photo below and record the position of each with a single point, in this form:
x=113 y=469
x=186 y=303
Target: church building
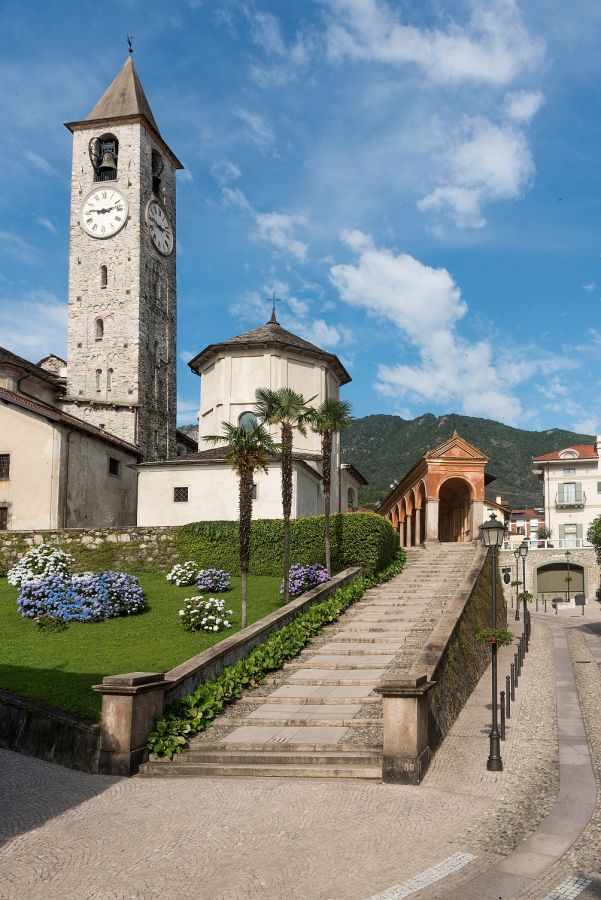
x=91 y=441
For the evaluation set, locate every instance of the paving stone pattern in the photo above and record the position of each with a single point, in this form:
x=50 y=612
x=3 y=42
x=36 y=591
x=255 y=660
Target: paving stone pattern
x=319 y=716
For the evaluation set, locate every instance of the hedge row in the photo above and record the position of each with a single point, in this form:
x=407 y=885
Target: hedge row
x=357 y=539
x=195 y=712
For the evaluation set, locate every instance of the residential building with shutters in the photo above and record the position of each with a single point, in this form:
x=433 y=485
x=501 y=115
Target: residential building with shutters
x=572 y=491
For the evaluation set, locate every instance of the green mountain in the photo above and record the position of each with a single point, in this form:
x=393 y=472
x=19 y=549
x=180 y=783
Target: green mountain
x=384 y=448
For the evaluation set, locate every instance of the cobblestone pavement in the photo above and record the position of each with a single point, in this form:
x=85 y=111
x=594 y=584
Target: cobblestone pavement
x=77 y=837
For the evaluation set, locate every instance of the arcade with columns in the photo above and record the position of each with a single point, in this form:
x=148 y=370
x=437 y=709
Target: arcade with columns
x=442 y=497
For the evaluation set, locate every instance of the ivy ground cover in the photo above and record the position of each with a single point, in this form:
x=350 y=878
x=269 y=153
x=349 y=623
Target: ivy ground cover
x=59 y=668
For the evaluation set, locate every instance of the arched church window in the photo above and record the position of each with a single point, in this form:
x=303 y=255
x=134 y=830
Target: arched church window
x=157 y=168
x=98 y=329
x=109 y=379
x=247 y=420
x=98 y=378
x=104 y=153
x=103 y=276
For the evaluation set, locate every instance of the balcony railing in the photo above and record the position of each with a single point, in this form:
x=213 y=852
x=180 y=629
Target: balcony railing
x=570 y=498
x=570 y=543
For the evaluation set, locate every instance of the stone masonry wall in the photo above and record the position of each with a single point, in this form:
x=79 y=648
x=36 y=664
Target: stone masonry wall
x=585 y=556
x=130 y=548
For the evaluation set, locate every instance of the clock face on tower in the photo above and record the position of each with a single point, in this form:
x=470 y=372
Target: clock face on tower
x=104 y=211
x=161 y=232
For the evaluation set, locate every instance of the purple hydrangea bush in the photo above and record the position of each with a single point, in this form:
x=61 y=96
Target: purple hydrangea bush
x=209 y=615
x=215 y=580
x=86 y=597
x=303 y=578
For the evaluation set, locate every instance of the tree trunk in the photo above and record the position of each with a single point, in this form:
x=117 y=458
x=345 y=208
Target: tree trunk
x=326 y=452
x=286 y=502
x=245 y=500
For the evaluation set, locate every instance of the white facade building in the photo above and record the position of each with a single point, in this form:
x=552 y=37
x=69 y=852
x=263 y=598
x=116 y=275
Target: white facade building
x=202 y=485
x=572 y=492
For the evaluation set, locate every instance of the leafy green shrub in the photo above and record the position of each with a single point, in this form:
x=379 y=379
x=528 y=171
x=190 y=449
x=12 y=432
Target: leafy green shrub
x=362 y=539
x=195 y=712
x=593 y=536
x=499 y=636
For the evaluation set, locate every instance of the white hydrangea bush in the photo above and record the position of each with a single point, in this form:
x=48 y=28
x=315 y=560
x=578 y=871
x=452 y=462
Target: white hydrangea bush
x=209 y=615
x=184 y=574
x=38 y=563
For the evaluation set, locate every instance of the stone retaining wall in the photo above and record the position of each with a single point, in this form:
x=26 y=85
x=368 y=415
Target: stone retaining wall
x=37 y=729
x=130 y=548
x=582 y=556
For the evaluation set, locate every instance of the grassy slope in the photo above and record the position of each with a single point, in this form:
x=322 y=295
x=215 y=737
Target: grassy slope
x=60 y=667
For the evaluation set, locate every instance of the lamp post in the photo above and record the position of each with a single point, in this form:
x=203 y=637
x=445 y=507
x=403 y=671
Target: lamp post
x=568 y=554
x=492 y=535
x=523 y=551
x=516 y=553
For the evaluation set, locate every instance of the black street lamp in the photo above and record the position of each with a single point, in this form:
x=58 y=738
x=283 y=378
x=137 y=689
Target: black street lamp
x=568 y=554
x=516 y=553
x=523 y=551
x=492 y=534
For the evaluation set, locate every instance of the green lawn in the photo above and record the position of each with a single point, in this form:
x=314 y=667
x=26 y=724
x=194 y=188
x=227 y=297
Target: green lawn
x=60 y=667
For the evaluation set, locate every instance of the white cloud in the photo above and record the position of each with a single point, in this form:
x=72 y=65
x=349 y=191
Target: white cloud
x=46 y=223
x=257 y=129
x=487 y=162
x=522 y=106
x=493 y=47
x=277 y=229
x=589 y=287
x=187 y=409
x=13 y=245
x=225 y=171
x=425 y=304
x=40 y=162
x=185 y=175
x=34 y=324
x=285 y=60
x=186 y=355
x=234 y=197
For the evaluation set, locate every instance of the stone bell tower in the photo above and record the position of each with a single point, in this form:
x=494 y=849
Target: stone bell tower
x=121 y=350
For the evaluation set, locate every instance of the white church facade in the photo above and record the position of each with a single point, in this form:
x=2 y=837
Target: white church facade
x=92 y=441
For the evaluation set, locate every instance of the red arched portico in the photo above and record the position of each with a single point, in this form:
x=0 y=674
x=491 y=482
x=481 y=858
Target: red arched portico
x=442 y=497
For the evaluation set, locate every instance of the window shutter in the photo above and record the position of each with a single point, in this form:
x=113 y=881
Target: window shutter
x=599 y=487
x=579 y=532
x=562 y=532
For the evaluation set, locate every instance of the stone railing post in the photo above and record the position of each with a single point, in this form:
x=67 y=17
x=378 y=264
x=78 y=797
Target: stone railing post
x=407 y=751
x=130 y=703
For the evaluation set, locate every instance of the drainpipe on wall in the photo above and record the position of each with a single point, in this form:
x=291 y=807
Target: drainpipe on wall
x=66 y=492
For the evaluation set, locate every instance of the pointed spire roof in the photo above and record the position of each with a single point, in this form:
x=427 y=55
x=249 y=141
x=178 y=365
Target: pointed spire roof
x=125 y=101
x=124 y=97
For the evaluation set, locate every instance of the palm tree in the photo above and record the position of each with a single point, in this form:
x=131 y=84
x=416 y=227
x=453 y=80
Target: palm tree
x=248 y=449
x=289 y=410
x=330 y=417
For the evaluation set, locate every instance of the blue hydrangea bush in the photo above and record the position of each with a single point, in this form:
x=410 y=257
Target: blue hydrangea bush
x=210 y=615
x=86 y=597
x=40 y=562
x=183 y=574
x=215 y=580
x=304 y=578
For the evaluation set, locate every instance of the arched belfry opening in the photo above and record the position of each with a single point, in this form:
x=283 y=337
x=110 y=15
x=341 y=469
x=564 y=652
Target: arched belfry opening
x=454 y=506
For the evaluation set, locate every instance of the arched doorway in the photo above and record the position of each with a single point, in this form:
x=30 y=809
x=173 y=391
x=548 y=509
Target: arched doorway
x=551 y=581
x=454 y=511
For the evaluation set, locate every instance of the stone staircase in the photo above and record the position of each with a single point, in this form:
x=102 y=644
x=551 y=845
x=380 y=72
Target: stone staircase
x=318 y=716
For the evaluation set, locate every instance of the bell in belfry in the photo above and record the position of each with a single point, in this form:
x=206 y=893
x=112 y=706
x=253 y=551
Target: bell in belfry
x=108 y=166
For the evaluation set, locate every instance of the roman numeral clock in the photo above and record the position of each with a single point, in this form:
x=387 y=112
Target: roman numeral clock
x=104 y=212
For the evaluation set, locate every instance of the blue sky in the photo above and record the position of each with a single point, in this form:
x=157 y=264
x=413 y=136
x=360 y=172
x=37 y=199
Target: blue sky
x=419 y=181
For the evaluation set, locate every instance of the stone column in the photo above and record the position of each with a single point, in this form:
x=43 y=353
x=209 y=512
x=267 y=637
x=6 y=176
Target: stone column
x=130 y=703
x=476 y=518
x=432 y=520
x=418 y=525
x=408 y=521
x=407 y=751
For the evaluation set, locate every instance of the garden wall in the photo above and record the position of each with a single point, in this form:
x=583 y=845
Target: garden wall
x=37 y=729
x=362 y=539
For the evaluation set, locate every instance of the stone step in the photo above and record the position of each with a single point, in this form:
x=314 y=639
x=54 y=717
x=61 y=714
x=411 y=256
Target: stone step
x=260 y=770
x=313 y=700
x=338 y=677
x=313 y=722
x=304 y=711
x=358 y=648
x=333 y=661
x=217 y=753
x=367 y=638
x=333 y=693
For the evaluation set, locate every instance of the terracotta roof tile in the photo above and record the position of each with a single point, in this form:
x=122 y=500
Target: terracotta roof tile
x=584 y=451
x=6 y=356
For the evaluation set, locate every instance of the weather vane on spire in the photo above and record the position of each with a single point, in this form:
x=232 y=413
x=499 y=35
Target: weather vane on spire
x=130 y=43
x=274 y=299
